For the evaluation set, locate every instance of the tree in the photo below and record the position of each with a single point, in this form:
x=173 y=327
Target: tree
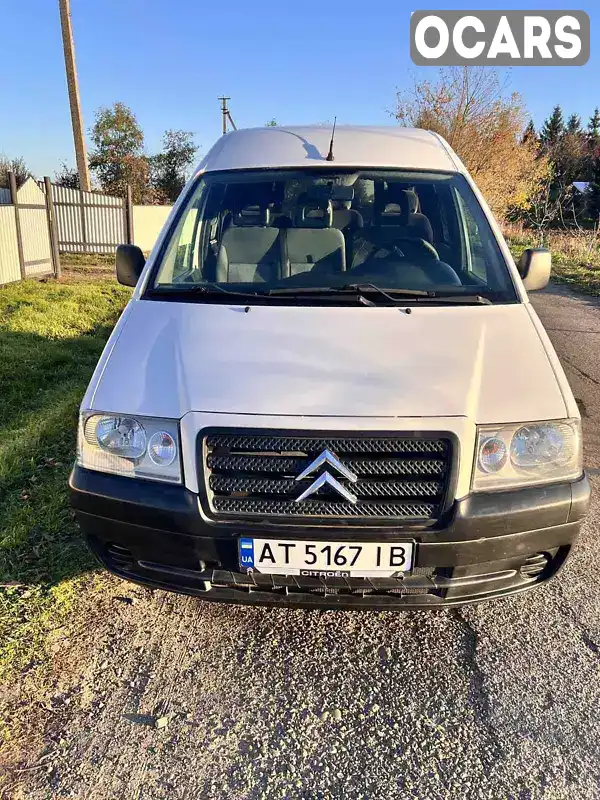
x=565 y=148
x=67 y=177
x=544 y=207
x=568 y=157
x=170 y=167
x=530 y=134
x=593 y=191
x=272 y=123
x=552 y=129
x=118 y=157
x=470 y=108
x=16 y=165
x=593 y=131
x=574 y=125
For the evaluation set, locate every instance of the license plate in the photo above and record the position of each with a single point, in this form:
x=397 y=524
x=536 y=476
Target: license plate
x=325 y=559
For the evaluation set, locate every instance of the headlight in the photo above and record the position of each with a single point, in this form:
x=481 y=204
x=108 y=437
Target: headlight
x=138 y=447
x=527 y=454
x=121 y=436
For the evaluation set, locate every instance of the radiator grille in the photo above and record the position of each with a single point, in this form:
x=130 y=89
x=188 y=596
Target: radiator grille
x=255 y=475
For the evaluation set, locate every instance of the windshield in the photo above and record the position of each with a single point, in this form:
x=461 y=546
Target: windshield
x=270 y=233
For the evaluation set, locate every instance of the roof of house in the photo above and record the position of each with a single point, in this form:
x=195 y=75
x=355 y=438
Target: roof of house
x=581 y=186
x=307 y=146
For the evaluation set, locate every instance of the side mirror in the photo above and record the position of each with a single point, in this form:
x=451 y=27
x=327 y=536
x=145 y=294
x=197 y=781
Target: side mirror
x=130 y=263
x=534 y=267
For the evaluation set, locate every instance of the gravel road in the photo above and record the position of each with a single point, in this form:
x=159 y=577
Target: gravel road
x=495 y=701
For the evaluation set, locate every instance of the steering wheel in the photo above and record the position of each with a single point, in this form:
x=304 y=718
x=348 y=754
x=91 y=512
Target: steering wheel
x=410 y=247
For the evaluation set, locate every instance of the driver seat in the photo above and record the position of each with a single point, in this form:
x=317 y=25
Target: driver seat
x=418 y=222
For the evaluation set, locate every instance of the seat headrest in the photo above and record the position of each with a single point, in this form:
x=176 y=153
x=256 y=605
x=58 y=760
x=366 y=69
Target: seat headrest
x=395 y=212
x=313 y=213
x=413 y=201
x=251 y=215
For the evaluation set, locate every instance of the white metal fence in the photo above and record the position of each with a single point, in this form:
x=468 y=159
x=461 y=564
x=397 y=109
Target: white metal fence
x=41 y=220
x=89 y=222
x=26 y=234
x=33 y=213
x=10 y=269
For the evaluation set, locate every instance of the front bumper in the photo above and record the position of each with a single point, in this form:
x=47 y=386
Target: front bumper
x=494 y=544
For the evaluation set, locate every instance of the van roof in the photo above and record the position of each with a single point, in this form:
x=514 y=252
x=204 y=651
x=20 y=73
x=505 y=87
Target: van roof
x=307 y=146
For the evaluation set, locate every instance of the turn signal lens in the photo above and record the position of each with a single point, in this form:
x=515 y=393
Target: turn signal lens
x=492 y=455
x=162 y=449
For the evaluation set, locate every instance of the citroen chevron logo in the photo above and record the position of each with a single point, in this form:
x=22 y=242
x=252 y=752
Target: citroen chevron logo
x=329 y=458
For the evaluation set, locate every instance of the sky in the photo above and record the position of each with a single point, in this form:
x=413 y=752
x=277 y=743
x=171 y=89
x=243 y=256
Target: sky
x=295 y=62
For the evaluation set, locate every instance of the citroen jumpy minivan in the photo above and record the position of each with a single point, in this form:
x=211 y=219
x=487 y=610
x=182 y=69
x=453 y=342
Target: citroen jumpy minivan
x=329 y=387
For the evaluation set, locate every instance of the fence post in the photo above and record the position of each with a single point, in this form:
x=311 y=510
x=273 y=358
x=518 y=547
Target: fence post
x=12 y=185
x=129 y=215
x=52 y=227
x=83 y=225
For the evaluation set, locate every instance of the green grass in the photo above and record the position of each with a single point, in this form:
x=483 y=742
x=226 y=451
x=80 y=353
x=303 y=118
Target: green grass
x=575 y=256
x=51 y=335
x=68 y=260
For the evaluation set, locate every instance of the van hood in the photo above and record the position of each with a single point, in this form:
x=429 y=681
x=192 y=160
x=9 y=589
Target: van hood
x=483 y=362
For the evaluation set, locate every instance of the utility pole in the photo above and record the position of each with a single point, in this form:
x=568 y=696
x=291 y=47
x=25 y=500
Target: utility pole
x=226 y=114
x=74 y=101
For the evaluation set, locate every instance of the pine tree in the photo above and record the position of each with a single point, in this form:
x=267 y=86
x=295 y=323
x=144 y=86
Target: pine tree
x=529 y=134
x=593 y=129
x=574 y=124
x=553 y=128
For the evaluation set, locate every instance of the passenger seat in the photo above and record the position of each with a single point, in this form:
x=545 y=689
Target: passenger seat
x=250 y=251
x=313 y=245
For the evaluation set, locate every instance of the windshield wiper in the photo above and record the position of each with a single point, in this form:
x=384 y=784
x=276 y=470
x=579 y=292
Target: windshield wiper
x=419 y=295
x=358 y=291
x=346 y=289
x=460 y=299
x=203 y=288
x=393 y=295
x=316 y=291
x=208 y=289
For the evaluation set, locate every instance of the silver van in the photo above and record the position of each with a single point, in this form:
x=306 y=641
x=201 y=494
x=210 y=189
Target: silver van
x=330 y=388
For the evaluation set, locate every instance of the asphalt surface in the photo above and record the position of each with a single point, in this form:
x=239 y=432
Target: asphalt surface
x=499 y=700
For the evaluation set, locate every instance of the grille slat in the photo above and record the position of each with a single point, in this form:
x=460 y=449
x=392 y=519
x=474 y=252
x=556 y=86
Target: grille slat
x=321 y=508
x=285 y=486
x=361 y=466
x=254 y=475
x=288 y=444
